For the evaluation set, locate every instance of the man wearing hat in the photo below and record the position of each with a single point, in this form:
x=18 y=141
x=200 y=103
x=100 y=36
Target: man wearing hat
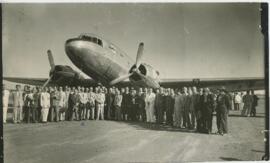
x=223 y=106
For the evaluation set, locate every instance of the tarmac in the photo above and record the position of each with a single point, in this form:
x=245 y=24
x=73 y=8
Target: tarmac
x=112 y=141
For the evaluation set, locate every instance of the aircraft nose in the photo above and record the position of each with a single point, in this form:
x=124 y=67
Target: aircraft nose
x=72 y=48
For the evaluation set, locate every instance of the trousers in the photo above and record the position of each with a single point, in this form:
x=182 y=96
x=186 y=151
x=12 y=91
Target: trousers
x=44 y=114
x=5 y=108
x=17 y=114
x=100 y=111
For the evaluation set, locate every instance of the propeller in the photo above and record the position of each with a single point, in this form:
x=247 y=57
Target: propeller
x=135 y=70
x=44 y=85
x=139 y=55
x=121 y=78
x=51 y=61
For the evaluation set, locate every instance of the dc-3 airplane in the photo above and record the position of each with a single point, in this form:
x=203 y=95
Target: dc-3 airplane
x=105 y=63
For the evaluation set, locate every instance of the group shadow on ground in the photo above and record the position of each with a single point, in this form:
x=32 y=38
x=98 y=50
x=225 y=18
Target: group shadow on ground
x=159 y=127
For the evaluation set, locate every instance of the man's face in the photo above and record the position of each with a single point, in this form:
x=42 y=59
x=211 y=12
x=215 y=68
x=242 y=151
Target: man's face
x=185 y=89
x=51 y=89
x=18 y=88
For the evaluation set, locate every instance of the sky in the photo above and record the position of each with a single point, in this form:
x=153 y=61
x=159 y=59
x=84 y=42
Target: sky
x=181 y=40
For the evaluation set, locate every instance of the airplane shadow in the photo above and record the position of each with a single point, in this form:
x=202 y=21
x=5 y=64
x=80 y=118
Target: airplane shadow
x=229 y=159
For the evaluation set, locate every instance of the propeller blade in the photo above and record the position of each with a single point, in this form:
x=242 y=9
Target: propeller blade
x=139 y=54
x=51 y=60
x=121 y=78
x=44 y=85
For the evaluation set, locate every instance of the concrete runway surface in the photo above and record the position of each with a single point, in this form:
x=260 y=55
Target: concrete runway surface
x=111 y=141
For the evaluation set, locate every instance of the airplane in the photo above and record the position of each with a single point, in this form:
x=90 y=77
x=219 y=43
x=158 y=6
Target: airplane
x=107 y=64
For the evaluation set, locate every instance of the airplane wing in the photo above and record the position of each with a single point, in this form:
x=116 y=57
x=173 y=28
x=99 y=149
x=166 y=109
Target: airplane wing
x=30 y=81
x=231 y=84
x=41 y=81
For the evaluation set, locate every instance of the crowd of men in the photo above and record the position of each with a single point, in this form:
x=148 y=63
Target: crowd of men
x=182 y=108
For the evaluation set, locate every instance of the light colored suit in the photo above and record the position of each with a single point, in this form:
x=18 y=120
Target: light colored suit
x=62 y=104
x=100 y=98
x=150 y=106
x=45 y=104
x=17 y=98
x=5 y=104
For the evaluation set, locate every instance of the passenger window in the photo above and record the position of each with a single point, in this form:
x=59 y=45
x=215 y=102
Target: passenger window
x=112 y=48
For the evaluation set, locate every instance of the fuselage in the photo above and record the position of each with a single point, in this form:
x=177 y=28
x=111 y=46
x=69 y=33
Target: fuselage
x=100 y=59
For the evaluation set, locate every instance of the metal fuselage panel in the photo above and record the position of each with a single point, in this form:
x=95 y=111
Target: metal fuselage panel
x=100 y=63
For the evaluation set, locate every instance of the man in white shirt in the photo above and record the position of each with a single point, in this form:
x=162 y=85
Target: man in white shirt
x=17 y=98
x=149 y=105
x=100 y=99
x=45 y=104
x=5 y=103
x=237 y=101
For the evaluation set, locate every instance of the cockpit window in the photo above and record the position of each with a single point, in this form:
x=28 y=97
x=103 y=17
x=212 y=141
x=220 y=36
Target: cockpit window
x=92 y=39
x=95 y=40
x=99 y=42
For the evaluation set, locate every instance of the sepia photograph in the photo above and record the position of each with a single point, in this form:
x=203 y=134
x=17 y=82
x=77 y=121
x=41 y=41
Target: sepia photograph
x=134 y=82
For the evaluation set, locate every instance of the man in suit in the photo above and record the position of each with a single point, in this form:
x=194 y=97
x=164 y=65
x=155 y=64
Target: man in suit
x=73 y=102
x=17 y=98
x=196 y=105
x=100 y=99
x=5 y=95
x=83 y=101
x=91 y=100
x=133 y=105
x=62 y=104
x=27 y=104
x=35 y=98
x=254 y=104
x=126 y=103
x=54 y=103
x=141 y=105
x=159 y=105
x=109 y=103
x=207 y=104
x=223 y=107
x=45 y=104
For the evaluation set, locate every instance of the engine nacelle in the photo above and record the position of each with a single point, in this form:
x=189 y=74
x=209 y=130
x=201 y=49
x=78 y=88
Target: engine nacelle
x=148 y=76
x=65 y=74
